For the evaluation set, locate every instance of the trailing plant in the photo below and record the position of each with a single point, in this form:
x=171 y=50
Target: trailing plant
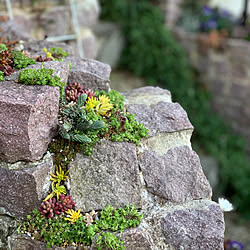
x=21 y=61
x=41 y=77
x=109 y=241
x=151 y=52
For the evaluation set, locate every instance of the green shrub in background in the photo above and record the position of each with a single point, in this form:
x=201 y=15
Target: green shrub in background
x=151 y=52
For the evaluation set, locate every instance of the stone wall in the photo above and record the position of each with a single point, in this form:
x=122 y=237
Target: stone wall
x=162 y=177
x=225 y=71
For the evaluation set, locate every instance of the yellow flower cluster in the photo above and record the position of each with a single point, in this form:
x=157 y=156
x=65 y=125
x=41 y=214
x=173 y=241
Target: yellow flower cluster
x=101 y=105
x=48 y=54
x=73 y=216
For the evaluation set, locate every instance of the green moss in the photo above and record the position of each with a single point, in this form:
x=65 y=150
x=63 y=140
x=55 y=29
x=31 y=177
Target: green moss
x=109 y=241
x=41 y=77
x=63 y=151
x=58 y=52
x=21 y=61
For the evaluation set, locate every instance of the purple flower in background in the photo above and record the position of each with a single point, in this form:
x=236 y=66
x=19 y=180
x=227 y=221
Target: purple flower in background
x=236 y=245
x=207 y=11
x=212 y=24
x=225 y=13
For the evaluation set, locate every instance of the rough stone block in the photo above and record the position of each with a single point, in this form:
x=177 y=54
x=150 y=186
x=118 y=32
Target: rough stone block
x=14 y=31
x=162 y=117
x=28 y=120
x=108 y=177
x=195 y=228
x=23 y=185
x=176 y=176
x=92 y=74
x=147 y=96
x=61 y=69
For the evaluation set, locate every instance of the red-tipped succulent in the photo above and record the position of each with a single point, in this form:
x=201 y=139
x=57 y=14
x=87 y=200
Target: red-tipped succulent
x=53 y=207
x=73 y=91
x=90 y=93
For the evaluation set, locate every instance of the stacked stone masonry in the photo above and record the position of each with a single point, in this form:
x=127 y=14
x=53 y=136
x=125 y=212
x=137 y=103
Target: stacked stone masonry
x=162 y=177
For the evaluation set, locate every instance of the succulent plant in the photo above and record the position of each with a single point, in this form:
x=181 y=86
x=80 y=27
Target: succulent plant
x=43 y=59
x=61 y=175
x=53 y=207
x=7 y=70
x=73 y=91
x=6 y=58
x=101 y=105
x=89 y=218
x=90 y=93
x=56 y=191
x=73 y=216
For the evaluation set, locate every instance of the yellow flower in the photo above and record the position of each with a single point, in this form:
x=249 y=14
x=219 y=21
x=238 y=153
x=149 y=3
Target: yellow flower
x=48 y=54
x=91 y=103
x=104 y=99
x=61 y=175
x=73 y=216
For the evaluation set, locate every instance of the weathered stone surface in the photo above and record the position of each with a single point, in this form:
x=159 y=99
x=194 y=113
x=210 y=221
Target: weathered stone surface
x=162 y=117
x=174 y=226
x=109 y=176
x=36 y=47
x=61 y=69
x=92 y=74
x=56 y=21
x=24 y=242
x=28 y=120
x=14 y=31
x=23 y=185
x=195 y=228
x=176 y=176
x=147 y=96
x=87 y=12
x=136 y=239
x=110 y=42
x=7 y=227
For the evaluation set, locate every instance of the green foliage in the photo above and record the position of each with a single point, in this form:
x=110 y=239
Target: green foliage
x=1 y=76
x=2 y=47
x=41 y=77
x=57 y=231
x=109 y=241
x=58 y=52
x=21 y=61
x=74 y=123
x=115 y=98
x=119 y=219
x=152 y=52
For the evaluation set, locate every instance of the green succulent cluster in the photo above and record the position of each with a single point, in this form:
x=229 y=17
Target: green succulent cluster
x=58 y=52
x=58 y=231
x=74 y=123
x=109 y=241
x=1 y=76
x=21 y=61
x=41 y=77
